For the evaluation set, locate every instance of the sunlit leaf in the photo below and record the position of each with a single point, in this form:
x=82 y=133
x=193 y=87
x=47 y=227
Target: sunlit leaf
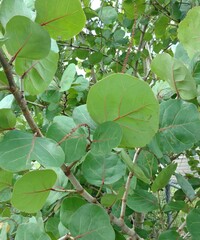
x=63 y=20
x=129 y=102
x=31 y=191
x=188 y=31
x=27 y=39
x=176 y=74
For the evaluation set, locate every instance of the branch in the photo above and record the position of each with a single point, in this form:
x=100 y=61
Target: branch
x=129 y=46
x=91 y=199
x=19 y=97
x=127 y=187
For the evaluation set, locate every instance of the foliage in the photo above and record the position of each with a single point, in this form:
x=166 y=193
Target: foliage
x=95 y=106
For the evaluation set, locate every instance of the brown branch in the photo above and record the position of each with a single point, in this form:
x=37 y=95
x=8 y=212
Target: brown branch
x=19 y=97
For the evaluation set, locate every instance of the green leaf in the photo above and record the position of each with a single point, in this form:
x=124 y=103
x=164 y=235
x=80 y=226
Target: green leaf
x=81 y=115
x=11 y=8
x=169 y=234
x=107 y=136
x=61 y=183
x=163 y=177
x=7 y=119
x=91 y=222
x=18 y=149
x=37 y=74
x=75 y=144
x=188 y=31
x=7 y=101
x=133 y=7
x=31 y=231
x=32 y=189
x=148 y=163
x=129 y=102
x=5 y=179
x=142 y=201
x=179 y=126
x=133 y=167
x=107 y=14
x=69 y=206
x=95 y=58
x=108 y=199
x=176 y=74
x=99 y=170
x=193 y=223
x=27 y=39
x=62 y=21
x=175 y=206
x=68 y=77
x=185 y=186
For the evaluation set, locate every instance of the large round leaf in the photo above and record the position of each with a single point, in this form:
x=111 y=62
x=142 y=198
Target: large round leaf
x=18 y=149
x=179 y=126
x=91 y=222
x=31 y=191
x=11 y=8
x=38 y=73
x=189 y=31
x=129 y=102
x=27 y=39
x=69 y=206
x=99 y=170
x=63 y=19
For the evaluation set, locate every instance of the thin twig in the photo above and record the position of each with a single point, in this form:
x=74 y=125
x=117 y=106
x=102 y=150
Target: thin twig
x=127 y=187
x=130 y=44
